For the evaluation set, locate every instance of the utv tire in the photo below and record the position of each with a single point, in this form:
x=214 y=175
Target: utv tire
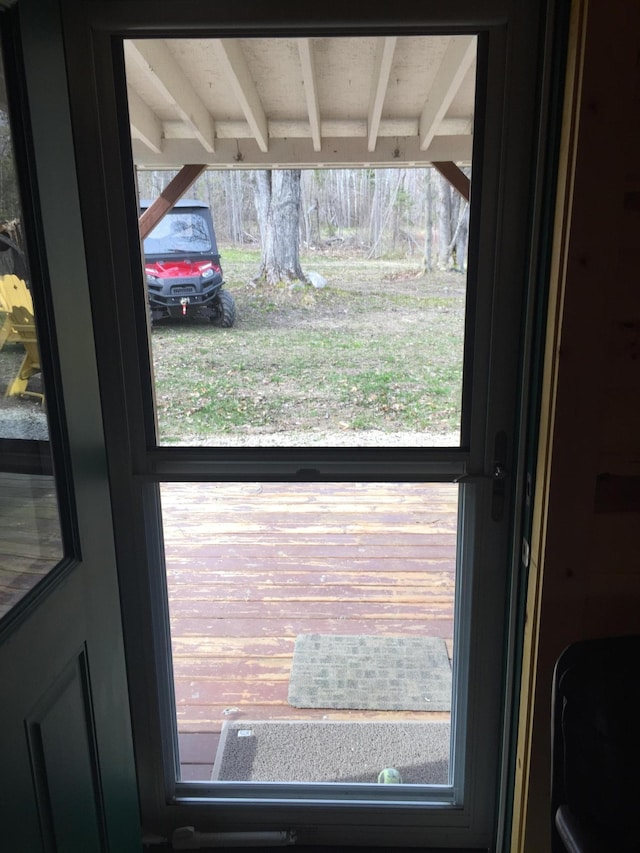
x=223 y=310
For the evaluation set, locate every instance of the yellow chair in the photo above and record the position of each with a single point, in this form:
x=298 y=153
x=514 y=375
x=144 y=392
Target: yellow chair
x=19 y=325
x=13 y=291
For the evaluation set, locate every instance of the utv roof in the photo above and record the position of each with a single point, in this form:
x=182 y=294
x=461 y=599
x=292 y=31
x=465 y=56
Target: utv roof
x=183 y=202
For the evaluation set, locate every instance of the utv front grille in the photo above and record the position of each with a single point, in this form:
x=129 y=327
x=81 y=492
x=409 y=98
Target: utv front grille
x=181 y=289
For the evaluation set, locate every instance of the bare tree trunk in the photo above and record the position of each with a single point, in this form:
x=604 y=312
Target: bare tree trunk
x=346 y=199
x=373 y=211
x=262 y=198
x=428 y=225
x=230 y=203
x=462 y=239
x=383 y=219
x=277 y=197
x=444 y=221
x=314 y=222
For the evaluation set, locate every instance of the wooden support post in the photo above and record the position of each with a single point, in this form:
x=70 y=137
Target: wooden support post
x=168 y=197
x=456 y=177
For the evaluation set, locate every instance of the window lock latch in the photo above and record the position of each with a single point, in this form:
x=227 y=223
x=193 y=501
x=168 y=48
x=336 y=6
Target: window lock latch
x=499 y=472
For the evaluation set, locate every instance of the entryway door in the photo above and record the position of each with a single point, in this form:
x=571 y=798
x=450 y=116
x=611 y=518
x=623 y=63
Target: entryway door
x=486 y=463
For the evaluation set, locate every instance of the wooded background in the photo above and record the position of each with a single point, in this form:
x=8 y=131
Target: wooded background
x=373 y=212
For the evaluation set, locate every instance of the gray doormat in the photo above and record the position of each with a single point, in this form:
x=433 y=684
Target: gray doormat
x=370 y=673
x=318 y=751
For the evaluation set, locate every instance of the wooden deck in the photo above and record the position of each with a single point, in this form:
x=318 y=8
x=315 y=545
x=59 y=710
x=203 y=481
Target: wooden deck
x=251 y=566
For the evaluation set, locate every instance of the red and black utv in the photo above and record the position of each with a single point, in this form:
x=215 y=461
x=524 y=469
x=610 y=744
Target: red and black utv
x=182 y=266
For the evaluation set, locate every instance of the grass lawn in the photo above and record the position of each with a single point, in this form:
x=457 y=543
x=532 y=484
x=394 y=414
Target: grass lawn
x=379 y=348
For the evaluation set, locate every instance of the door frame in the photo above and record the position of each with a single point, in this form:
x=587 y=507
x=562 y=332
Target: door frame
x=515 y=68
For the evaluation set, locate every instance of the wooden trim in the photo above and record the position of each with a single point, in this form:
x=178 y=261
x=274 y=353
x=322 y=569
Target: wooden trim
x=584 y=581
x=564 y=202
x=168 y=197
x=456 y=177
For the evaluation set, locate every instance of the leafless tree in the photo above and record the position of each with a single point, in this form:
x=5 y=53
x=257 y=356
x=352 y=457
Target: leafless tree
x=277 y=197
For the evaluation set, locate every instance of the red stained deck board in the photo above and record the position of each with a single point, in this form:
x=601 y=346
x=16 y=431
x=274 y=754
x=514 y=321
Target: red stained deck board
x=197 y=748
x=269 y=646
x=315 y=589
x=195 y=772
x=349 y=494
x=210 y=611
x=393 y=545
x=329 y=605
x=179 y=529
x=269 y=509
x=233 y=692
x=254 y=670
x=199 y=642
x=421 y=569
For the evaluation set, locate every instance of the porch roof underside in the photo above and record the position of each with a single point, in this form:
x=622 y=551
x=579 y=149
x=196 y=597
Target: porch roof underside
x=305 y=102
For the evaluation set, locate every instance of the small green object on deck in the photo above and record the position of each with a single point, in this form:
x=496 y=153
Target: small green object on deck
x=389 y=776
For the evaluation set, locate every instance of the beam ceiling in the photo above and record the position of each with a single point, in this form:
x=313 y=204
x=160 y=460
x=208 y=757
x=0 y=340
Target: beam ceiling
x=301 y=102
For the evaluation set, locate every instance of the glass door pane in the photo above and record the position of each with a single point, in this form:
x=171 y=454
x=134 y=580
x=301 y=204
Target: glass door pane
x=312 y=629
x=30 y=535
x=313 y=306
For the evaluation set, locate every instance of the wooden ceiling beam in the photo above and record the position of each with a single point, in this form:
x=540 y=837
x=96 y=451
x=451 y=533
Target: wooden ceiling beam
x=234 y=63
x=145 y=125
x=456 y=61
x=172 y=193
x=385 y=50
x=160 y=67
x=308 y=66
